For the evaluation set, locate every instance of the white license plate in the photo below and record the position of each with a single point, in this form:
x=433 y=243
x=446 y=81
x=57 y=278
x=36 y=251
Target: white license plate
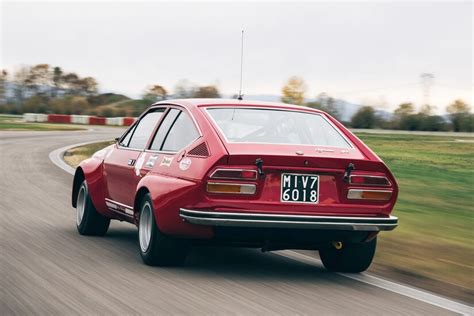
x=299 y=188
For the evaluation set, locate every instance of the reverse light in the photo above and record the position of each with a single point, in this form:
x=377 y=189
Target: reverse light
x=232 y=188
x=369 y=180
x=234 y=174
x=378 y=195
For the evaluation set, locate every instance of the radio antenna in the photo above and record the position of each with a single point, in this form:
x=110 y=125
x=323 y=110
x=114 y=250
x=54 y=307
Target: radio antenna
x=240 y=96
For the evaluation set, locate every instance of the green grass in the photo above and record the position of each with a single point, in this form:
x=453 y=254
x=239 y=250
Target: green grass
x=435 y=208
x=16 y=123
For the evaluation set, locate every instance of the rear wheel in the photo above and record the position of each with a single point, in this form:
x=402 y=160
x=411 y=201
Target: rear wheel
x=157 y=249
x=351 y=257
x=88 y=220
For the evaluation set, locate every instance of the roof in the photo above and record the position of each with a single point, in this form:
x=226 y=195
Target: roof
x=191 y=103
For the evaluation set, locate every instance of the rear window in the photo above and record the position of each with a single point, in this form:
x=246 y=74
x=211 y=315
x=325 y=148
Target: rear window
x=241 y=125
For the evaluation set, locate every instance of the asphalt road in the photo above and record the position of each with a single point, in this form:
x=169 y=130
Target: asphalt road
x=46 y=267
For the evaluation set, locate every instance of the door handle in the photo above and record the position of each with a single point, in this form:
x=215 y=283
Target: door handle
x=131 y=162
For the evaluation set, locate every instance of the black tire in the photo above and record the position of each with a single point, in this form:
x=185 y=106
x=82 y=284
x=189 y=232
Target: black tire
x=352 y=257
x=157 y=249
x=90 y=223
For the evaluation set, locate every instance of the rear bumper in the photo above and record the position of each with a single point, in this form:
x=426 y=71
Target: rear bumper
x=211 y=218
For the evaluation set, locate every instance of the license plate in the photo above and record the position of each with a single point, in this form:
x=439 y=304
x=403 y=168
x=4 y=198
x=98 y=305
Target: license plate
x=299 y=188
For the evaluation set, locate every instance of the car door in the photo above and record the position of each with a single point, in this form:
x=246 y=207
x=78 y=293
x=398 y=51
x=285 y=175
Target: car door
x=122 y=166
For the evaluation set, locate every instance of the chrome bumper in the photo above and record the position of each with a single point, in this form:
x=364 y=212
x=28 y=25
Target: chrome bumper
x=288 y=221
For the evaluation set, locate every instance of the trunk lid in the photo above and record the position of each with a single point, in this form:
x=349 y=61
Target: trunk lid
x=327 y=163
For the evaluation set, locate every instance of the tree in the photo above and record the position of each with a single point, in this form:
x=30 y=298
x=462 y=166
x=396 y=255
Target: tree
x=427 y=110
x=20 y=79
x=364 y=118
x=87 y=86
x=57 y=81
x=207 y=92
x=458 y=106
x=404 y=109
x=155 y=93
x=3 y=82
x=70 y=81
x=39 y=79
x=459 y=115
x=327 y=104
x=184 y=89
x=294 y=91
x=404 y=117
x=431 y=123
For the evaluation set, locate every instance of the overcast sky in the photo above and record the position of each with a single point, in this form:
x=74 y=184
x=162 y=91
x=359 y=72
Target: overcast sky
x=362 y=52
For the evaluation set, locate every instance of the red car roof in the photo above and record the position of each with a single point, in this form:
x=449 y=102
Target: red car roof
x=193 y=103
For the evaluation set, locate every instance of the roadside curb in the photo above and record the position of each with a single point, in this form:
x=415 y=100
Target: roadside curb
x=78 y=119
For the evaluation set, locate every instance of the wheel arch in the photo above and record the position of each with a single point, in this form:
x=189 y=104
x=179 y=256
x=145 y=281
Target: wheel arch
x=79 y=177
x=138 y=198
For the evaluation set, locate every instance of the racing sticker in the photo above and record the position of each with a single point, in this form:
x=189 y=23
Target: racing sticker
x=151 y=161
x=139 y=164
x=166 y=161
x=184 y=164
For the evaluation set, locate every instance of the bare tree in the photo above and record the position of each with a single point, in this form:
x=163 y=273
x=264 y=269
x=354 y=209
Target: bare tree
x=294 y=91
x=155 y=93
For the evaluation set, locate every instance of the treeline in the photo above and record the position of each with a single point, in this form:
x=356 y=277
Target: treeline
x=44 y=88
x=405 y=117
x=459 y=119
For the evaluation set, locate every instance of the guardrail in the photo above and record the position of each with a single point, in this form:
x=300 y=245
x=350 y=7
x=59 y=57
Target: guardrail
x=78 y=119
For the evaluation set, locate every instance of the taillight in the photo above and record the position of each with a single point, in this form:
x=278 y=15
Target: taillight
x=369 y=180
x=378 y=195
x=234 y=174
x=232 y=188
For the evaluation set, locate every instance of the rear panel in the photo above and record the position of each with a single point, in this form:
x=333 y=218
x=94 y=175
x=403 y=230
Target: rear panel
x=336 y=195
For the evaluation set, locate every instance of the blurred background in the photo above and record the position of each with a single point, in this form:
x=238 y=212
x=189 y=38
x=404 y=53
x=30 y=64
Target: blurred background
x=399 y=73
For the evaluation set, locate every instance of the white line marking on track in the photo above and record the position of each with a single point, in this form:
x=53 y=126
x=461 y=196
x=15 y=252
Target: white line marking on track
x=391 y=286
x=56 y=156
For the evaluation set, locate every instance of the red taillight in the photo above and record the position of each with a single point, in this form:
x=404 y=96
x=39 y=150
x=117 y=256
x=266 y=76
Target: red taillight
x=369 y=180
x=234 y=174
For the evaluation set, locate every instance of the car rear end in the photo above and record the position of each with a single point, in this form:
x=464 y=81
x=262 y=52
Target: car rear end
x=293 y=177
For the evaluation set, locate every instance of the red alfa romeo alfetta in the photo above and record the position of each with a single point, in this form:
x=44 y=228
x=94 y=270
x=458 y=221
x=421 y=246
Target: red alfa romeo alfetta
x=240 y=173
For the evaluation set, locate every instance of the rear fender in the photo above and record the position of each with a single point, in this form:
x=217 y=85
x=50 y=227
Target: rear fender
x=92 y=171
x=168 y=195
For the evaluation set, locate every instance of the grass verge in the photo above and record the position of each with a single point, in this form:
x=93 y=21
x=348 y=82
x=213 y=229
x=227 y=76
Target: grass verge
x=433 y=246
x=75 y=155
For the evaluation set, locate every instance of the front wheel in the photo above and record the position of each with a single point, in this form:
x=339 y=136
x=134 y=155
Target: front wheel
x=88 y=221
x=157 y=249
x=352 y=257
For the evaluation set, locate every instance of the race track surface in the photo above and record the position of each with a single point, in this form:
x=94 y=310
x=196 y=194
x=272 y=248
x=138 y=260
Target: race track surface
x=46 y=267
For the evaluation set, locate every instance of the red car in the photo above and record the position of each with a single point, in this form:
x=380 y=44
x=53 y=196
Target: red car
x=241 y=173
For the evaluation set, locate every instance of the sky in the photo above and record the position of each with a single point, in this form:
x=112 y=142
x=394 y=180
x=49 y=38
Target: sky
x=364 y=52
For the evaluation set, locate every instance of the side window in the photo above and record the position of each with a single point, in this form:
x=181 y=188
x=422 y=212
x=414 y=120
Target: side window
x=125 y=140
x=164 y=128
x=182 y=133
x=144 y=128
